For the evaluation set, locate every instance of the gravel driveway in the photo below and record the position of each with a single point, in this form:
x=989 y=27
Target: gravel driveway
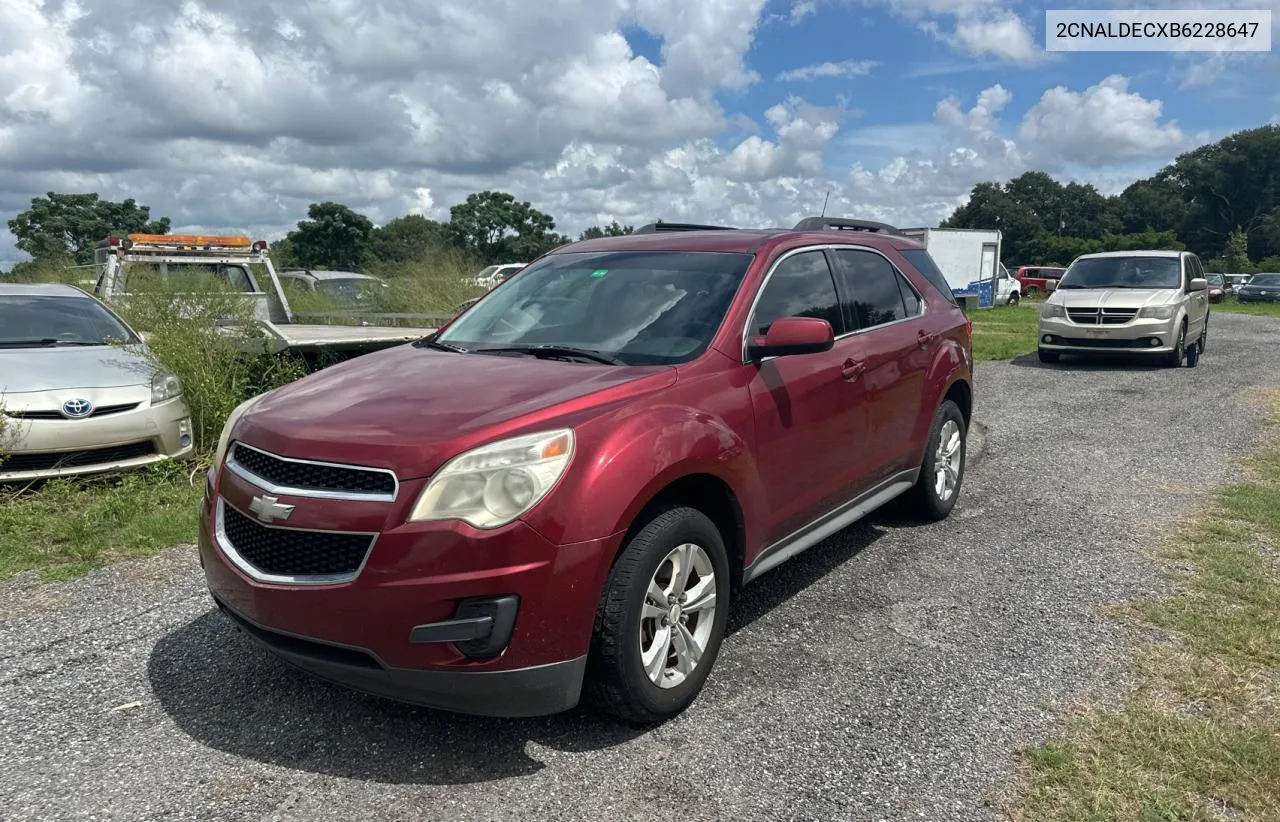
x=890 y=673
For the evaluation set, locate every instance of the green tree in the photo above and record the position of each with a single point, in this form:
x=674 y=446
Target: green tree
x=334 y=237
x=990 y=206
x=408 y=238
x=499 y=228
x=70 y=225
x=1236 y=254
x=1155 y=203
x=611 y=230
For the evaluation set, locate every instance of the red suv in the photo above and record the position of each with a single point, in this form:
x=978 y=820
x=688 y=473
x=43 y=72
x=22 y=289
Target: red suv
x=562 y=491
x=1034 y=278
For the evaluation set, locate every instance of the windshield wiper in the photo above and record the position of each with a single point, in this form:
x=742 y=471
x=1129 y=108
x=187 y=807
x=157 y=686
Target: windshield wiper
x=45 y=342
x=431 y=342
x=554 y=351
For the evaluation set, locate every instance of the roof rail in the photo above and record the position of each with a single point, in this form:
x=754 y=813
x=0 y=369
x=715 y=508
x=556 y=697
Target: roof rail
x=842 y=224
x=654 y=228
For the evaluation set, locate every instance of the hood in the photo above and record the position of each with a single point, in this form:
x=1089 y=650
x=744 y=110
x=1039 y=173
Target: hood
x=1114 y=297
x=410 y=409
x=25 y=370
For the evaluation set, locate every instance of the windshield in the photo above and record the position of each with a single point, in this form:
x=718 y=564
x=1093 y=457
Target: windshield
x=43 y=320
x=1269 y=280
x=1213 y=279
x=352 y=291
x=1124 y=272
x=641 y=308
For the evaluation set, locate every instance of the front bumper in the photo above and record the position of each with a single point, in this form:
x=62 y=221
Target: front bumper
x=413 y=622
x=1135 y=336
x=1255 y=297
x=41 y=446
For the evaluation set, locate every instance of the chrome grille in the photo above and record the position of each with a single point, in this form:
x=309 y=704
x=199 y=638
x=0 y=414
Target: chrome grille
x=311 y=478
x=1101 y=316
x=275 y=554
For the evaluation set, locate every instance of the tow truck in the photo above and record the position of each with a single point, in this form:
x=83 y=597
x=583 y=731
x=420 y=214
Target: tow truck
x=244 y=266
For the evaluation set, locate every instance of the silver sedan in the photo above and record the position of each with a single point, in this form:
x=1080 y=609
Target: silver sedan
x=80 y=392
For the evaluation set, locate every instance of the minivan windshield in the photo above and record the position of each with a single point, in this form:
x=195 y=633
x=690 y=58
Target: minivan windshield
x=1123 y=272
x=628 y=307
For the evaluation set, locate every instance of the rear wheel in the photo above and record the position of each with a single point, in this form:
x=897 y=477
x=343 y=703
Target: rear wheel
x=942 y=470
x=1048 y=356
x=661 y=619
x=1031 y=291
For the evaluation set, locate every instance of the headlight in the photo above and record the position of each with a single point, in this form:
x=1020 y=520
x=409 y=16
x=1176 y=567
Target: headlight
x=164 y=386
x=1158 y=312
x=490 y=486
x=1050 y=310
x=225 y=440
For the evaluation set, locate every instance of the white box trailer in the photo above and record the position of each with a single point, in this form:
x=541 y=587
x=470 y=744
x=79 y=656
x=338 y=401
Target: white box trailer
x=970 y=260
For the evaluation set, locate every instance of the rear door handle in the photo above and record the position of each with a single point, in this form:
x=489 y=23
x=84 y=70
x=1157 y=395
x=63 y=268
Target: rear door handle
x=852 y=369
x=925 y=338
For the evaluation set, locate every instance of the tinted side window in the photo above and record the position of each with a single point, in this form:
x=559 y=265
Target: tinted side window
x=872 y=288
x=801 y=286
x=922 y=262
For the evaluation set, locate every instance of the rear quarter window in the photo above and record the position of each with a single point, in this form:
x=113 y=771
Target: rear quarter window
x=920 y=260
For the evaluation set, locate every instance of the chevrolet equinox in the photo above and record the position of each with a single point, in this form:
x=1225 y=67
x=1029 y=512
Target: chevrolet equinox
x=559 y=494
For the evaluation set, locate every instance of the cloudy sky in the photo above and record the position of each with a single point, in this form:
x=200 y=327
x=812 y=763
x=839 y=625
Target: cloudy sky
x=235 y=114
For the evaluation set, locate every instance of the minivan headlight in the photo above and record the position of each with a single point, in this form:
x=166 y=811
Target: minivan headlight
x=1158 y=312
x=1050 y=310
x=489 y=486
x=164 y=386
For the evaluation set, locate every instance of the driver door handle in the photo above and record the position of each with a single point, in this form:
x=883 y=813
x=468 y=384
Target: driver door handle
x=852 y=369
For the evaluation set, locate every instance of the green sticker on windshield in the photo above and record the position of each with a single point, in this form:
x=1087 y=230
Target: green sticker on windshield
x=599 y=272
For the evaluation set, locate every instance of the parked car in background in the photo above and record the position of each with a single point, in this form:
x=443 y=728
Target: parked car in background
x=1034 y=278
x=1261 y=288
x=1219 y=288
x=1128 y=302
x=346 y=289
x=1236 y=280
x=494 y=274
x=564 y=489
x=80 y=392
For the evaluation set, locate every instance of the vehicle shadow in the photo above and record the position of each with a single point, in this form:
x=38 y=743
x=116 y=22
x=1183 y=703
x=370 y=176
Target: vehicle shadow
x=227 y=693
x=1092 y=362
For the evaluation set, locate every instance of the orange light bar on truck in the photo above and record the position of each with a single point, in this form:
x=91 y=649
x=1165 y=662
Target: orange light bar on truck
x=191 y=239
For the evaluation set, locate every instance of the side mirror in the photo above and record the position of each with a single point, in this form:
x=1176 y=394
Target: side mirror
x=1199 y=284
x=793 y=335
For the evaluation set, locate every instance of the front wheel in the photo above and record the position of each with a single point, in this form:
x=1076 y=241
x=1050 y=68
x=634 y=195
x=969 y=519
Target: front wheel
x=661 y=619
x=1014 y=299
x=942 y=470
x=1174 y=358
x=1204 y=336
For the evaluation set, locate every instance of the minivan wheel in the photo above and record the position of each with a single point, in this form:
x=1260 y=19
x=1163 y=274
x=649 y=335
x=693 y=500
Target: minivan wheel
x=661 y=619
x=1174 y=358
x=942 y=470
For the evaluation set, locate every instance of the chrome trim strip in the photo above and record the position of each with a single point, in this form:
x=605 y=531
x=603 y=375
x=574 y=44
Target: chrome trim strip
x=250 y=570
x=270 y=487
x=755 y=301
x=837 y=519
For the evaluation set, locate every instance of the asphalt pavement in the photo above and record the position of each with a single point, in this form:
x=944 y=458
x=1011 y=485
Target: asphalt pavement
x=890 y=673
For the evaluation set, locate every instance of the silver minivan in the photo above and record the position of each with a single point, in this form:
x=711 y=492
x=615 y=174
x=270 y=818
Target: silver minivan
x=1122 y=302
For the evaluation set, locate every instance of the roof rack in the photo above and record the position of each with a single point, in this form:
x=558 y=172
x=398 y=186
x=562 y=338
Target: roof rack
x=654 y=228
x=842 y=224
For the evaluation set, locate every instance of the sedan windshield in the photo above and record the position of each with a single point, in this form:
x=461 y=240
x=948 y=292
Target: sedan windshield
x=1213 y=279
x=1124 y=272
x=353 y=291
x=635 y=308
x=1267 y=280
x=33 y=321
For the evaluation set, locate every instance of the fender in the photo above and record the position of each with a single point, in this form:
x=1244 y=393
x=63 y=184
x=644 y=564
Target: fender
x=949 y=366
x=625 y=459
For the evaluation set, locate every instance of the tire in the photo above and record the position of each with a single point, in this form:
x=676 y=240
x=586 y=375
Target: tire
x=1174 y=358
x=1014 y=299
x=1031 y=291
x=924 y=502
x=1048 y=356
x=618 y=681
x=1204 y=337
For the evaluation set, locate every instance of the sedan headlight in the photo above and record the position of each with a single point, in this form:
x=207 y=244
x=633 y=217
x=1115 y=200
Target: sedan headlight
x=1050 y=310
x=490 y=486
x=1158 y=312
x=224 y=441
x=165 y=386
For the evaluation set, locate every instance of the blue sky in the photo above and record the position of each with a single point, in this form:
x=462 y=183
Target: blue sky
x=237 y=115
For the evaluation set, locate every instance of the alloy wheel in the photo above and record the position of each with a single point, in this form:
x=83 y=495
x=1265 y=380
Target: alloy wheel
x=946 y=461
x=678 y=615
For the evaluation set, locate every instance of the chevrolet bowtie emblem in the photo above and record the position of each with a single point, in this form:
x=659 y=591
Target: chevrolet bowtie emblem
x=269 y=509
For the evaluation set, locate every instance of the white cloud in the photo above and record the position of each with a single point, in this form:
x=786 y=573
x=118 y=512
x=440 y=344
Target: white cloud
x=1105 y=123
x=845 y=68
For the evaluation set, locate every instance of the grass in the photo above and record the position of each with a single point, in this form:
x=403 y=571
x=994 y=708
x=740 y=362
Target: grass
x=1004 y=332
x=1199 y=736
x=1234 y=306
x=69 y=527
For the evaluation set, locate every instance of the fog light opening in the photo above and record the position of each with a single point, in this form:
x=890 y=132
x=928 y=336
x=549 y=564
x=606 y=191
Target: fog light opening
x=1154 y=342
x=184 y=432
x=1047 y=338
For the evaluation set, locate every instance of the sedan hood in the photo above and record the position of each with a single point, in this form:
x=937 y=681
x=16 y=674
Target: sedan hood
x=24 y=370
x=410 y=409
x=1114 y=297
